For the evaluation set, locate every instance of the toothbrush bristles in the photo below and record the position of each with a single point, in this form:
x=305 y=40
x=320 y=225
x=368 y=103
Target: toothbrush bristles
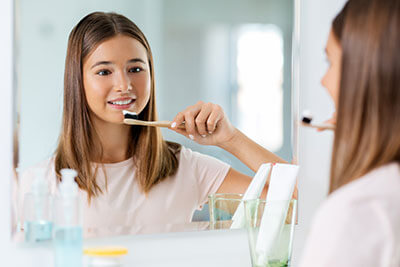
x=130 y=115
x=307 y=117
x=306 y=120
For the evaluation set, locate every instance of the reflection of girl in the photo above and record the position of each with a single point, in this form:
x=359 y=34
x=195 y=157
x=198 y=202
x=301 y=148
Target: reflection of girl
x=359 y=224
x=129 y=174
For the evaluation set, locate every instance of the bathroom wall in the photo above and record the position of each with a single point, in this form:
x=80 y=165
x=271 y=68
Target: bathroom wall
x=314 y=147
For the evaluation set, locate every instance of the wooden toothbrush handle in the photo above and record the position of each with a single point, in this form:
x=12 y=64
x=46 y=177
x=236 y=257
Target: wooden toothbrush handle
x=165 y=124
x=321 y=126
x=168 y=124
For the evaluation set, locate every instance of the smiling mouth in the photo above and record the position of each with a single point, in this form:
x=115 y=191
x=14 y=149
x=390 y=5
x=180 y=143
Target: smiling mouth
x=121 y=102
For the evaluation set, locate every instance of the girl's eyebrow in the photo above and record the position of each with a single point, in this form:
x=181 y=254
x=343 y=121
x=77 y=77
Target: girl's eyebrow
x=101 y=63
x=133 y=60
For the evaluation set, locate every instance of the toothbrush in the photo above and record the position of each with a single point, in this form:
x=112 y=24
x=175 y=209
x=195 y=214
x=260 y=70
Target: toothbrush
x=307 y=118
x=132 y=118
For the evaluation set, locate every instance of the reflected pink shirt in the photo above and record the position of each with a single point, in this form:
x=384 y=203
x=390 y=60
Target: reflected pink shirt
x=172 y=201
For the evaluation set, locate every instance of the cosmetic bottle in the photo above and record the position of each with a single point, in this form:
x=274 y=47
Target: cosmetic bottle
x=105 y=256
x=68 y=228
x=37 y=210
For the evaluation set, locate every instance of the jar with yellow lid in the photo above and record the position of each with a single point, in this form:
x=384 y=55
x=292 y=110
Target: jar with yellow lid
x=104 y=256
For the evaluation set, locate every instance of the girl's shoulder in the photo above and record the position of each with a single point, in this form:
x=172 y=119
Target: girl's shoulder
x=382 y=183
x=188 y=156
x=198 y=162
x=375 y=194
x=175 y=148
x=362 y=212
x=45 y=167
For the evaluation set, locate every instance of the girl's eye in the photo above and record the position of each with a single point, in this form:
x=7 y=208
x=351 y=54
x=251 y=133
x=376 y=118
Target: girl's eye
x=135 y=69
x=104 y=72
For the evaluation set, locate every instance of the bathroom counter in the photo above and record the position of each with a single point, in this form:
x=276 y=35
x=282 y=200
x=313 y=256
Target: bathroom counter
x=206 y=248
x=203 y=248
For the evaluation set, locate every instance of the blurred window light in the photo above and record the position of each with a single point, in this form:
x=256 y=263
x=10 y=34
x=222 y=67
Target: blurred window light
x=259 y=77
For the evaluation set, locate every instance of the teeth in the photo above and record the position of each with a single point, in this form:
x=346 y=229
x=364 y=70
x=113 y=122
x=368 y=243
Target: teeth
x=125 y=102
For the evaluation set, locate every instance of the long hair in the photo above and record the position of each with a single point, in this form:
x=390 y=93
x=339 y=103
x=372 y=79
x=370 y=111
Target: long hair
x=368 y=116
x=154 y=158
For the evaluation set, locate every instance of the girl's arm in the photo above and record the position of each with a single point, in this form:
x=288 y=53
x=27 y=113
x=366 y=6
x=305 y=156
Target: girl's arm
x=207 y=124
x=248 y=151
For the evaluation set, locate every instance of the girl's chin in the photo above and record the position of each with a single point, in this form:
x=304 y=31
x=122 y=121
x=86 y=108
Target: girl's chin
x=118 y=119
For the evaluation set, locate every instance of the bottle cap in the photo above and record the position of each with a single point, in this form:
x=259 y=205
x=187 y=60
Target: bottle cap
x=105 y=251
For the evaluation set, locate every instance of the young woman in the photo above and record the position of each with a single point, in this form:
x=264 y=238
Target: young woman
x=129 y=175
x=359 y=223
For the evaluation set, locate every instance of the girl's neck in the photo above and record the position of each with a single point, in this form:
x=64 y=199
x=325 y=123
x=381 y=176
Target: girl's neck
x=114 y=139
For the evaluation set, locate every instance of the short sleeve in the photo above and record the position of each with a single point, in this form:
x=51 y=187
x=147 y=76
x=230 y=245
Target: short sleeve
x=209 y=173
x=345 y=234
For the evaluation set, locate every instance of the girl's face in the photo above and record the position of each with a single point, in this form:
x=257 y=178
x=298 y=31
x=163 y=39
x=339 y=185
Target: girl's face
x=331 y=79
x=116 y=77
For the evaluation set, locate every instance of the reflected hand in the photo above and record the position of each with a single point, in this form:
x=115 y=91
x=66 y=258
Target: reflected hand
x=330 y=121
x=205 y=123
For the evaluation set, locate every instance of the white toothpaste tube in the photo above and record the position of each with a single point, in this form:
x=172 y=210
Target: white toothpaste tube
x=280 y=191
x=253 y=192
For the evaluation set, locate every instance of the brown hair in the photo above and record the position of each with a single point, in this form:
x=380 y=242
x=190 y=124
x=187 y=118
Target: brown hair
x=155 y=159
x=368 y=116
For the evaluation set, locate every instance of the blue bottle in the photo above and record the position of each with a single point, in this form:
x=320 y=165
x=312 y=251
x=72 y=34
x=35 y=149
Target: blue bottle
x=37 y=210
x=68 y=230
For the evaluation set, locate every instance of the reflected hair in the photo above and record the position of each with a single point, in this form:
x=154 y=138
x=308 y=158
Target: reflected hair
x=368 y=123
x=155 y=159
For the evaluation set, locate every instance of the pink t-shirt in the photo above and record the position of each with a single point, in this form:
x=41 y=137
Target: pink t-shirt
x=122 y=206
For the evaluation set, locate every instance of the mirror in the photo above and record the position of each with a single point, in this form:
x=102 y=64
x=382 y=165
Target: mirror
x=231 y=52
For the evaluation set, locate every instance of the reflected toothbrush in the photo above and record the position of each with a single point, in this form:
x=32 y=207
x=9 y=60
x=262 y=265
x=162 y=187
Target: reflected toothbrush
x=307 y=118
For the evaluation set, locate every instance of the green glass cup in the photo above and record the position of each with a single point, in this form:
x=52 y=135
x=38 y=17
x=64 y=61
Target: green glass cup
x=222 y=207
x=272 y=245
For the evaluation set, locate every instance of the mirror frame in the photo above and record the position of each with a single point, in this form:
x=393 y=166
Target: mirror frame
x=6 y=119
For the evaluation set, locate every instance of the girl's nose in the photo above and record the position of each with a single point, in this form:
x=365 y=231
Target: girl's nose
x=123 y=83
x=121 y=88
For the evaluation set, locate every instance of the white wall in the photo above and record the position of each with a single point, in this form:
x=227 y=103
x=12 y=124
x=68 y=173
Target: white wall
x=314 y=148
x=6 y=67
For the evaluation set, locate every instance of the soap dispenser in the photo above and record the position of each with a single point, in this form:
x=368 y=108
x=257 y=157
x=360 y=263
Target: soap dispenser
x=37 y=210
x=68 y=228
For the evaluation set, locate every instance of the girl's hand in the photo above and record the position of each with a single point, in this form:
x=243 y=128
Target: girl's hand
x=205 y=123
x=330 y=121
